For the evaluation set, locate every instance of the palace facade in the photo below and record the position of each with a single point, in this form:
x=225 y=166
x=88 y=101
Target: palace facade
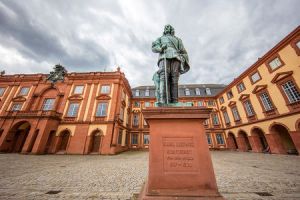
x=99 y=113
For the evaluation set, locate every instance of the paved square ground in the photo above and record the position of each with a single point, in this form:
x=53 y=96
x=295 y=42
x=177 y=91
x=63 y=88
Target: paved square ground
x=239 y=176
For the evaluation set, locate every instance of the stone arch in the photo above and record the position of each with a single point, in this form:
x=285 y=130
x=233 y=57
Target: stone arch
x=258 y=140
x=17 y=136
x=95 y=141
x=64 y=140
x=283 y=142
x=243 y=141
x=231 y=141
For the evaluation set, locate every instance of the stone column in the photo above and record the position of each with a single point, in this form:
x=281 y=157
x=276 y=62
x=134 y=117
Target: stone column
x=241 y=144
x=255 y=144
x=295 y=135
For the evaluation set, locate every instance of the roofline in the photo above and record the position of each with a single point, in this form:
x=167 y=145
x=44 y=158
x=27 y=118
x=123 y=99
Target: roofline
x=286 y=40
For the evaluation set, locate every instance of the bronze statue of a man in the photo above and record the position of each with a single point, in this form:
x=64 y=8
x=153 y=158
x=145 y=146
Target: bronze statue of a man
x=172 y=61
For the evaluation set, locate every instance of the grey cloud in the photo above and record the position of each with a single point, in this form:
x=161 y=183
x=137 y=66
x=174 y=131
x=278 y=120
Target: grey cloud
x=222 y=37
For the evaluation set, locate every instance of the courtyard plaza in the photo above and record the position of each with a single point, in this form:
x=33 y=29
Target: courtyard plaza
x=240 y=175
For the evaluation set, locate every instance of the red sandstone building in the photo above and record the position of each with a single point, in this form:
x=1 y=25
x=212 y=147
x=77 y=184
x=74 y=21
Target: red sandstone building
x=99 y=113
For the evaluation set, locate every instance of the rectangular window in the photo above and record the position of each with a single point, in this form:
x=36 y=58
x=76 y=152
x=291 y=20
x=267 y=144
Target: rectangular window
x=187 y=92
x=121 y=113
x=2 y=91
x=215 y=119
x=229 y=94
x=249 y=108
x=16 y=107
x=221 y=100
x=146 y=138
x=235 y=113
x=24 y=91
x=48 y=104
x=134 y=139
x=205 y=122
x=147 y=93
x=241 y=87
x=101 y=109
x=274 y=64
x=255 y=77
x=137 y=93
x=135 y=120
x=291 y=92
x=220 y=139
x=78 y=89
x=147 y=104
x=208 y=138
x=207 y=90
x=266 y=101
x=200 y=103
x=226 y=117
x=105 y=89
x=120 y=136
x=210 y=103
x=197 y=91
x=73 y=110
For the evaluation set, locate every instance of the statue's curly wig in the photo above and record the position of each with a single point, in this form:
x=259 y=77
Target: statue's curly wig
x=169 y=30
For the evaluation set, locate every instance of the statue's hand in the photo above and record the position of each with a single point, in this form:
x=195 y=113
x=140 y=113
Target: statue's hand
x=163 y=47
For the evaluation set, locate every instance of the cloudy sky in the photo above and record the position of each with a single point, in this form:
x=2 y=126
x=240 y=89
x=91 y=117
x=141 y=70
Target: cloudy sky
x=222 y=37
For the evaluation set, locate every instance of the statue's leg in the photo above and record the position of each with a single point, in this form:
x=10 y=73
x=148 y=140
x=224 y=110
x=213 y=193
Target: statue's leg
x=174 y=80
x=162 y=87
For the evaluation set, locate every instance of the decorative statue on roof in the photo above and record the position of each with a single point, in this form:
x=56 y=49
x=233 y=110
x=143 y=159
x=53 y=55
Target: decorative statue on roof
x=57 y=74
x=172 y=61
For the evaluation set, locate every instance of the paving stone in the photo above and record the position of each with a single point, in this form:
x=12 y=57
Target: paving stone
x=239 y=176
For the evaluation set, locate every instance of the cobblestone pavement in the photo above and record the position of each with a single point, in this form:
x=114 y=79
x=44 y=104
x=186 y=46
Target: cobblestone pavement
x=239 y=176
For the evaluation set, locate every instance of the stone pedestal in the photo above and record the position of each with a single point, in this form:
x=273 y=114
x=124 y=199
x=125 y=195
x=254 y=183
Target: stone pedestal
x=180 y=165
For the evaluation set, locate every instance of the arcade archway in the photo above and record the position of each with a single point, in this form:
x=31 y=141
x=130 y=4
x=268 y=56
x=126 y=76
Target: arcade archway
x=64 y=140
x=17 y=137
x=285 y=138
x=232 y=144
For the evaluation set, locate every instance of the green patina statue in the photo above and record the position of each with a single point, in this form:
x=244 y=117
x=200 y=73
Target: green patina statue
x=172 y=61
x=58 y=74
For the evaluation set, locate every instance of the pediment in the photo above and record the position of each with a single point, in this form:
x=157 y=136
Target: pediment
x=103 y=97
x=259 y=88
x=75 y=97
x=19 y=99
x=231 y=103
x=281 y=75
x=223 y=108
x=244 y=96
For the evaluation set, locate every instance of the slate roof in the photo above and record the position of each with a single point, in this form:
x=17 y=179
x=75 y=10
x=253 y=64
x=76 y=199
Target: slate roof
x=214 y=89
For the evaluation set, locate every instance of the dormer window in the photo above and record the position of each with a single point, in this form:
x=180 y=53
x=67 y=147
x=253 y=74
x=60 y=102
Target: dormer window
x=147 y=93
x=187 y=92
x=137 y=93
x=197 y=91
x=207 y=90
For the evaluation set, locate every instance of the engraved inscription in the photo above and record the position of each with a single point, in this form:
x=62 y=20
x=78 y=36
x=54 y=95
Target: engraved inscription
x=179 y=155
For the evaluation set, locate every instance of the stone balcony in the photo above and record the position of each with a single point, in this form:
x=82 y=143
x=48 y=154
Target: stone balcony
x=32 y=114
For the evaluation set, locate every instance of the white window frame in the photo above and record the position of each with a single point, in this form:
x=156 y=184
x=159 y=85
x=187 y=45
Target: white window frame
x=102 y=109
x=197 y=91
x=16 y=106
x=266 y=101
x=291 y=91
x=137 y=93
x=207 y=90
x=249 y=108
x=147 y=93
x=73 y=110
x=105 y=89
x=48 y=104
x=187 y=92
x=24 y=91
x=275 y=63
x=78 y=89
x=2 y=90
x=255 y=77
